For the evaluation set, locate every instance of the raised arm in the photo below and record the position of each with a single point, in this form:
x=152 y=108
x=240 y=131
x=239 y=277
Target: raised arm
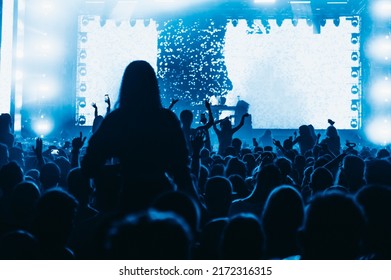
x=239 y=126
x=173 y=102
x=95 y=109
x=77 y=144
x=108 y=101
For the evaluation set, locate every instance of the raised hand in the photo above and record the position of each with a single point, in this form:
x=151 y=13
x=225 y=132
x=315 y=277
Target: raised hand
x=107 y=99
x=276 y=143
x=78 y=142
x=207 y=105
x=173 y=102
x=197 y=141
x=255 y=142
x=38 y=147
x=93 y=104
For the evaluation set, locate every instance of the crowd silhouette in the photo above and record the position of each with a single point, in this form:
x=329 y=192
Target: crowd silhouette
x=146 y=185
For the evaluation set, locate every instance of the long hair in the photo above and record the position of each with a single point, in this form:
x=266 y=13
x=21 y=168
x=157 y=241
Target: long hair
x=139 y=88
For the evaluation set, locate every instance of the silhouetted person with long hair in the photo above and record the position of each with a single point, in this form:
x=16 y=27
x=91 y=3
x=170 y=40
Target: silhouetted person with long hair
x=305 y=140
x=282 y=217
x=146 y=138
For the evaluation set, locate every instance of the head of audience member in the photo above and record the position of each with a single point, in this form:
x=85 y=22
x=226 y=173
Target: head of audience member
x=382 y=153
x=5 y=123
x=240 y=189
x=226 y=125
x=139 y=88
x=151 y=235
x=65 y=166
x=236 y=166
x=53 y=223
x=16 y=154
x=282 y=217
x=217 y=169
x=333 y=228
x=378 y=171
x=50 y=176
x=376 y=203
x=351 y=173
x=321 y=179
x=186 y=117
x=237 y=144
x=218 y=196
x=269 y=177
x=285 y=166
x=79 y=186
x=10 y=175
x=23 y=199
x=243 y=238
x=210 y=239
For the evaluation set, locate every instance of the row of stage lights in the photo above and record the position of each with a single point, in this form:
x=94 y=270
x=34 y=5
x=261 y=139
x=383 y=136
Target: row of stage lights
x=378 y=51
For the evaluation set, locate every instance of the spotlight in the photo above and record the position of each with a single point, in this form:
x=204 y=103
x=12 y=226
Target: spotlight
x=295 y=21
x=82 y=102
x=83 y=37
x=43 y=126
x=309 y=22
x=85 y=20
x=336 y=22
x=381 y=10
x=355 y=72
x=355 y=89
x=354 y=123
x=83 y=87
x=234 y=22
x=82 y=120
x=355 y=104
x=380 y=92
x=132 y=22
x=378 y=130
x=82 y=69
x=354 y=56
x=355 y=38
x=379 y=49
x=354 y=21
x=83 y=54
x=118 y=23
x=322 y=22
x=147 y=22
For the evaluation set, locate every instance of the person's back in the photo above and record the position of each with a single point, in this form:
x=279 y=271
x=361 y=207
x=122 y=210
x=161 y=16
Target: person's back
x=146 y=138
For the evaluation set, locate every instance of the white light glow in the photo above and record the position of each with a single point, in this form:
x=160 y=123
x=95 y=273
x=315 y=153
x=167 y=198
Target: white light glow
x=381 y=9
x=378 y=130
x=43 y=127
x=380 y=93
x=379 y=49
